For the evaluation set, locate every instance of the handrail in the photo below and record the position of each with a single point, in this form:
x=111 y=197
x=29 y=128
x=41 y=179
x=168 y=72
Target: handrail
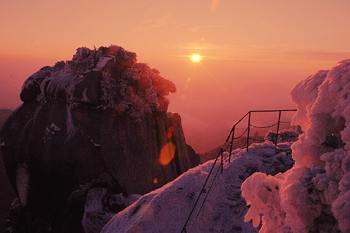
x=255 y=111
x=269 y=110
x=184 y=229
x=231 y=138
x=275 y=110
x=249 y=113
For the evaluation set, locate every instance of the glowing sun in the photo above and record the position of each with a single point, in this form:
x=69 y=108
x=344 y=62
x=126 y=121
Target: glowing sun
x=196 y=58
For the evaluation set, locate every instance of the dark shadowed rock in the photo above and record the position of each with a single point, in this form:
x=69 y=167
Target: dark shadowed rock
x=99 y=120
x=6 y=194
x=4 y=114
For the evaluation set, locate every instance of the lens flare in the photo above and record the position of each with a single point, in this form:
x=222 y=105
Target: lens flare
x=167 y=153
x=155 y=180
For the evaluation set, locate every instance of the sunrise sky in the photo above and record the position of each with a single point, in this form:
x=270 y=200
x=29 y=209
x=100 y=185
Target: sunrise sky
x=253 y=52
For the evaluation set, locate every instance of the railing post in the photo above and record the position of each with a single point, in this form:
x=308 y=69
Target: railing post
x=278 y=126
x=222 y=160
x=248 y=136
x=231 y=143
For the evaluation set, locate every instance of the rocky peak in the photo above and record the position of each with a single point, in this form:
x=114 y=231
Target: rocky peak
x=108 y=77
x=98 y=117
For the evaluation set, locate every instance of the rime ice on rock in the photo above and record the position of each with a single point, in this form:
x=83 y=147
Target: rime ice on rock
x=284 y=135
x=104 y=78
x=50 y=132
x=314 y=196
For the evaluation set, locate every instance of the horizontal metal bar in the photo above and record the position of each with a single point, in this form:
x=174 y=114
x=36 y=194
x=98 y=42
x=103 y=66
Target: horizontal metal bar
x=252 y=111
x=241 y=119
x=274 y=110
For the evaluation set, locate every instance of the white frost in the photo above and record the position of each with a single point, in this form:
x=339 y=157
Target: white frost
x=314 y=196
x=97 y=210
x=103 y=62
x=106 y=78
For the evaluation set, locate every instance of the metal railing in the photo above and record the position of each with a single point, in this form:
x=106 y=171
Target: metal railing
x=231 y=136
x=229 y=146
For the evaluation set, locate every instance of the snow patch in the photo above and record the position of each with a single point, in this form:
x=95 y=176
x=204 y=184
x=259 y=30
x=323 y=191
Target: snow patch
x=100 y=206
x=50 y=132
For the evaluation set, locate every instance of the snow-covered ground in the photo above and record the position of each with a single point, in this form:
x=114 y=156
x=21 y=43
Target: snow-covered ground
x=167 y=208
x=313 y=196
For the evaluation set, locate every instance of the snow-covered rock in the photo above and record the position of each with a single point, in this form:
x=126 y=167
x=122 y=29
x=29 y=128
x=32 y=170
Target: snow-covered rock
x=285 y=135
x=166 y=209
x=90 y=78
x=101 y=205
x=313 y=196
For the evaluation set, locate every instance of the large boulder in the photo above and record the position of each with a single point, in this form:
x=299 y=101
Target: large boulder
x=4 y=114
x=98 y=120
x=6 y=194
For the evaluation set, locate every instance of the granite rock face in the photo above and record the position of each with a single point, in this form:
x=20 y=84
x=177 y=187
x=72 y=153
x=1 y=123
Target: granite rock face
x=99 y=120
x=4 y=114
x=6 y=194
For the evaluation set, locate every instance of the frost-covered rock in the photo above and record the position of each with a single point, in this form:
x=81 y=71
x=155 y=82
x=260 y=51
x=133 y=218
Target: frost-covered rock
x=104 y=78
x=100 y=116
x=314 y=196
x=166 y=209
x=101 y=205
x=285 y=135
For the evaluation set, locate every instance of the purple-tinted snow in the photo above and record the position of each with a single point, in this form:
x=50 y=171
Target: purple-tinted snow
x=166 y=209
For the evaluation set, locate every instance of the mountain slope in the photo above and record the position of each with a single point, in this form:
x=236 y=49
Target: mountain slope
x=166 y=209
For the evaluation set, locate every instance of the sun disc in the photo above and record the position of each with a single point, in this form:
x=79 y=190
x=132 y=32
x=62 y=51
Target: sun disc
x=196 y=58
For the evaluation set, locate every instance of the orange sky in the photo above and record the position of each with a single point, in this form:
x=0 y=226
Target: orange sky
x=255 y=51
